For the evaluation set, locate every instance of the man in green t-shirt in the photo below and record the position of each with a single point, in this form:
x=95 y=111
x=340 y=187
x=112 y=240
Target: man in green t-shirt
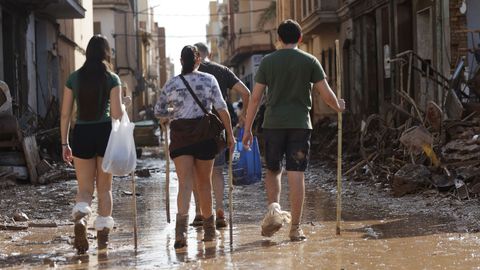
x=289 y=74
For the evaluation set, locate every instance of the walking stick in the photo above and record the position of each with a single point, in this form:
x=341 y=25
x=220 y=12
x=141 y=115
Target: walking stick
x=134 y=192
x=230 y=197
x=167 y=176
x=339 y=147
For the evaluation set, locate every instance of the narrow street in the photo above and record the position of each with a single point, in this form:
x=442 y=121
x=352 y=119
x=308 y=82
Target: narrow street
x=378 y=231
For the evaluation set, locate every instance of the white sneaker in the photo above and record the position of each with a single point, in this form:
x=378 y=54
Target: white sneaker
x=274 y=219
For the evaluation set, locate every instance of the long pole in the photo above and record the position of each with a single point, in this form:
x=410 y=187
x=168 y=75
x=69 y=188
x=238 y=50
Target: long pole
x=134 y=193
x=339 y=148
x=230 y=198
x=167 y=174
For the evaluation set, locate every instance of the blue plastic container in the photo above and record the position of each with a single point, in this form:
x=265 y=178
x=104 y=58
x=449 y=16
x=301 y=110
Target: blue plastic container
x=247 y=164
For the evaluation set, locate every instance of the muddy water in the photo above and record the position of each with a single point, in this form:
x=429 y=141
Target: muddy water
x=371 y=238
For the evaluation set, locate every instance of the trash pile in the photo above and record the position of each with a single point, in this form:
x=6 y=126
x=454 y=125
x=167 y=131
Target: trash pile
x=425 y=151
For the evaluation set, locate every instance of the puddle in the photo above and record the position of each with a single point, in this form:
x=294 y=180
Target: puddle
x=370 y=237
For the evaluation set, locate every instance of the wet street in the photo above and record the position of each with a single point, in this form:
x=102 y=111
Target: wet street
x=372 y=236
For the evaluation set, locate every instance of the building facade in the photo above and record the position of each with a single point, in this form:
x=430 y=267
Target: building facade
x=40 y=47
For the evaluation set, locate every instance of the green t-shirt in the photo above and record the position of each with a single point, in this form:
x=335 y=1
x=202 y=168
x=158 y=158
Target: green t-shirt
x=288 y=74
x=112 y=81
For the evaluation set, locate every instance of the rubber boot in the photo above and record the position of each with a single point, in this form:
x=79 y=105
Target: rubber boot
x=103 y=225
x=209 y=232
x=80 y=213
x=181 y=227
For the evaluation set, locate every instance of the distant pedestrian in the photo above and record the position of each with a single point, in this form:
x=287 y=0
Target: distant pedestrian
x=226 y=80
x=288 y=73
x=193 y=159
x=96 y=91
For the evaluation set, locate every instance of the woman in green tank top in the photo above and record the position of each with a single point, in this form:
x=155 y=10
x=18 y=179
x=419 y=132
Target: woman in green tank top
x=97 y=93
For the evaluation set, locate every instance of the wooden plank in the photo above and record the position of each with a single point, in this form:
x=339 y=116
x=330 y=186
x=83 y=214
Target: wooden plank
x=12 y=158
x=32 y=157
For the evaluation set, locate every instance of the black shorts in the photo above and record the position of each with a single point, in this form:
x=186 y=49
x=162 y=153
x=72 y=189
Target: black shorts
x=294 y=144
x=204 y=150
x=90 y=140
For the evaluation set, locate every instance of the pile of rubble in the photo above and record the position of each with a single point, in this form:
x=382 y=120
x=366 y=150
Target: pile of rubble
x=417 y=154
x=29 y=145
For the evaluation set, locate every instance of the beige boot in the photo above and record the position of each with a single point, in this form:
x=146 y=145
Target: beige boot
x=181 y=227
x=209 y=232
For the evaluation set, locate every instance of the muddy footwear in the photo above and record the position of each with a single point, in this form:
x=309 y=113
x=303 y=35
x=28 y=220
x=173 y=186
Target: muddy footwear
x=209 y=232
x=296 y=233
x=274 y=220
x=197 y=221
x=81 y=242
x=181 y=227
x=80 y=214
x=102 y=238
x=220 y=222
x=103 y=225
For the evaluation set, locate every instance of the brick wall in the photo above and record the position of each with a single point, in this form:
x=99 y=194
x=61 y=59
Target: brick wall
x=458 y=40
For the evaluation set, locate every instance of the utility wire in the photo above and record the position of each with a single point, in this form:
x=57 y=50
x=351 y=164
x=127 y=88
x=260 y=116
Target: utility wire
x=189 y=36
x=191 y=15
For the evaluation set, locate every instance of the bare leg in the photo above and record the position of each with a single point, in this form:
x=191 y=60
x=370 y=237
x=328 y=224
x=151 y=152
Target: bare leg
x=184 y=166
x=203 y=176
x=85 y=170
x=218 y=187
x=273 y=185
x=198 y=211
x=296 y=183
x=104 y=190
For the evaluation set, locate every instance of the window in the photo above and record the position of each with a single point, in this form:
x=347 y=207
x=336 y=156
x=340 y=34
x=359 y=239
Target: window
x=97 y=28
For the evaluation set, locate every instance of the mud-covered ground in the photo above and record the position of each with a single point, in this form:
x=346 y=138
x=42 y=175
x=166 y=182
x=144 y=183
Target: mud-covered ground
x=368 y=207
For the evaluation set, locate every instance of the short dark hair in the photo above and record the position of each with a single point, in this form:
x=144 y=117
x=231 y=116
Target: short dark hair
x=289 y=31
x=202 y=48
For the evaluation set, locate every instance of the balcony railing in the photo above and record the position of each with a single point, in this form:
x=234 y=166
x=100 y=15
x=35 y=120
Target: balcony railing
x=317 y=12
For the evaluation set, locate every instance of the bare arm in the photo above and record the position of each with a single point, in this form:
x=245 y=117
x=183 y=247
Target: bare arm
x=66 y=115
x=225 y=117
x=328 y=96
x=245 y=94
x=115 y=102
x=252 y=110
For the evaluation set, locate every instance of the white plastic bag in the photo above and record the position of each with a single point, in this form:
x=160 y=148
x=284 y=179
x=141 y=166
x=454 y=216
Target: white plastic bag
x=120 y=157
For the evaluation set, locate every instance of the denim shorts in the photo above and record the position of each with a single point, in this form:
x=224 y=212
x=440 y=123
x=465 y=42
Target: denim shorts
x=291 y=144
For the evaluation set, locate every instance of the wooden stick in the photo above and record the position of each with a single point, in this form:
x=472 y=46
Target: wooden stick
x=134 y=193
x=230 y=197
x=167 y=176
x=339 y=148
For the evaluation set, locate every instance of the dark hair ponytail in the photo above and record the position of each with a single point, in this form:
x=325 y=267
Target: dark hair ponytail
x=92 y=79
x=189 y=55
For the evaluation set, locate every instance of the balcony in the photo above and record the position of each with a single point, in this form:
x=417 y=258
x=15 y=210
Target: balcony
x=318 y=12
x=65 y=9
